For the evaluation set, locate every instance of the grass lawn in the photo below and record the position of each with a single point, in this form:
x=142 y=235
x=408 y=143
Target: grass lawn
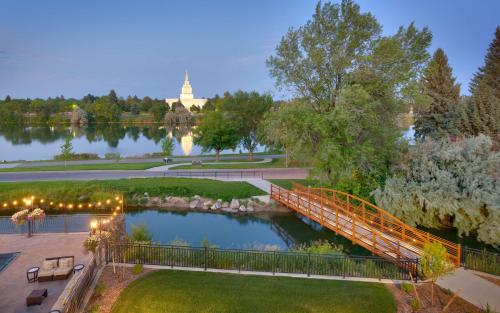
x=182 y=291
x=275 y=163
x=287 y=183
x=97 y=189
x=86 y=167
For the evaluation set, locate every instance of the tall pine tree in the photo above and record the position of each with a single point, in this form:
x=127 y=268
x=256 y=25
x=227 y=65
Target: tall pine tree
x=481 y=113
x=436 y=119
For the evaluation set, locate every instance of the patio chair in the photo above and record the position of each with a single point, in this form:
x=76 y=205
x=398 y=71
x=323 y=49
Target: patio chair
x=46 y=272
x=64 y=268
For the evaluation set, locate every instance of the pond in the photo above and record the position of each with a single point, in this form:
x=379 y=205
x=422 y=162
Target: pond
x=271 y=230
x=21 y=142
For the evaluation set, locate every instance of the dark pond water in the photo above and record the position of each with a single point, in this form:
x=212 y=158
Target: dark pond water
x=21 y=142
x=281 y=231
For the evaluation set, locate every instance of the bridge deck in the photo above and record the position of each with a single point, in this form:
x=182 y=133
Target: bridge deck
x=361 y=222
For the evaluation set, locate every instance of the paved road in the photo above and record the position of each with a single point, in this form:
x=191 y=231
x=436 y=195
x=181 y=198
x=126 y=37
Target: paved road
x=147 y=160
x=271 y=173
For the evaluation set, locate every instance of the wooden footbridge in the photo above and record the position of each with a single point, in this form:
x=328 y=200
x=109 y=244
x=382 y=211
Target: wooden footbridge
x=361 y=222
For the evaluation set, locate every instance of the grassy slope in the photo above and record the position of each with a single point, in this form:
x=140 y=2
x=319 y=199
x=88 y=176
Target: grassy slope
x=78 y=190
x=180 y=291
x=86 y=167
x=275 y=163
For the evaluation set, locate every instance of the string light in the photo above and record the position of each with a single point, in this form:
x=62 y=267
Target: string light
x=14 y=202
x=4 y=205
x=117 y=198
x=51 y=203
x=42 y=201
x=60 y=205
x=79 y=206
x=70 y=206
x=108 y=201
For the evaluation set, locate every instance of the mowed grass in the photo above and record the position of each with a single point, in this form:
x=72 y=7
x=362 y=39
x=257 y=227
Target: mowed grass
x=275 y=163
x=182 y=291
x=287 y=183
x=87 y=190
x=86 y=167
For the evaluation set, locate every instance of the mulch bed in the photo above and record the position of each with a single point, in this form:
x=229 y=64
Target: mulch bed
x=115 y=283
x=441 y=298
x=489 y=278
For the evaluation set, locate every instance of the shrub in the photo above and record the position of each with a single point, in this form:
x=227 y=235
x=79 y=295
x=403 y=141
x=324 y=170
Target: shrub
x=137 y=269
x=449 y=183
x=406 y=287
x=141 y=233
x=100 y=288
x=415 y=305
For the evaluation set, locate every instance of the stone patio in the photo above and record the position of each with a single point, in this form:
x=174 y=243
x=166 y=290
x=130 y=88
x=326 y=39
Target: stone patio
x=14 y=287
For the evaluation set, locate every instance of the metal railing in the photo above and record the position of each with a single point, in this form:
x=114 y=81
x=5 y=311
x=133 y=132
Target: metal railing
x=220 y=174
x=262 y=261
x=481 y=260
x=64 y=223
x=399 y=237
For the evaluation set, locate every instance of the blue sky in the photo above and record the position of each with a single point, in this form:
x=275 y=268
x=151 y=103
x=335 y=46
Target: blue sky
x=49 y=48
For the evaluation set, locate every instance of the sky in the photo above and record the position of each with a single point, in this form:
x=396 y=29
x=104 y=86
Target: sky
x=71 y=48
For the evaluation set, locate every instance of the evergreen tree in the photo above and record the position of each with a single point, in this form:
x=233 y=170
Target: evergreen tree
x=113 y=98
x=436 y=120
x=481 y=112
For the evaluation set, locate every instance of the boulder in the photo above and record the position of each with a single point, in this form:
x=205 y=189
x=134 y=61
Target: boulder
x=176 y=202
x=195 y=204
x=225 y=204
x=250 y=209
x=235 y=204
x=216 y=206
x=242 y=208
x=207 y=204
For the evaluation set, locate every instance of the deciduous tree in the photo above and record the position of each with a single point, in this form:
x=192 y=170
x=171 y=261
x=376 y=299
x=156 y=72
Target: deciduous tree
x=216 y=132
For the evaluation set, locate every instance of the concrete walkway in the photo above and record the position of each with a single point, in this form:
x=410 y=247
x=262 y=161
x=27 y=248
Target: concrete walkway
x=169 y=166
x=475 y=289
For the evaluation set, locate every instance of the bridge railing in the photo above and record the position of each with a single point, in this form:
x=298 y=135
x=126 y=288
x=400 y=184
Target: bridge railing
x=339 y=219
x=383 y=220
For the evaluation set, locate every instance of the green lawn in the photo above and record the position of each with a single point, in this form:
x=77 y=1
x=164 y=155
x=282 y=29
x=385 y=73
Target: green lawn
x=275 y=163
x=76 y=191
x=182 y=291
x=86 y=167
x=287 y=183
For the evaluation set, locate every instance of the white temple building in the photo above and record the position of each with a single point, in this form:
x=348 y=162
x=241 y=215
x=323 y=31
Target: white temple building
x=186 y=97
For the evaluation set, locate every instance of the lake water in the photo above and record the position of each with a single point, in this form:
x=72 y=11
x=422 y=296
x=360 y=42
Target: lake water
x=20 y=142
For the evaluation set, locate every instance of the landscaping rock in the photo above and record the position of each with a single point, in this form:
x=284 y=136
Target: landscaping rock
x=207 y=204
x=235 y=204
x=176 y=202
x=196 y=204
x=225 y=204
x=250 y=209
x=242 y=208
x=217 y=205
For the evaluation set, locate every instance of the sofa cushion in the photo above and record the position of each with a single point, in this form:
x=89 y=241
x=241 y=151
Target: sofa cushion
x=66 y=263
x=45 y=273
x=62 y=271
x=49 y=265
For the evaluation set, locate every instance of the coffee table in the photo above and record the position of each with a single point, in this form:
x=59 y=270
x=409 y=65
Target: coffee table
x=36 y=297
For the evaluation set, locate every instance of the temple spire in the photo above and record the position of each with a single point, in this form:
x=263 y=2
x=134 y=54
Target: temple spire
x=186 y=77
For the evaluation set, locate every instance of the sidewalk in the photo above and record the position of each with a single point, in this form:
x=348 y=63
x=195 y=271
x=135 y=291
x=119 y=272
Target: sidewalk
x=475 y=289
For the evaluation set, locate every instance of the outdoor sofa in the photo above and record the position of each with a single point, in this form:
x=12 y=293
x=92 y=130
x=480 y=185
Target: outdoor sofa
x=58 y=268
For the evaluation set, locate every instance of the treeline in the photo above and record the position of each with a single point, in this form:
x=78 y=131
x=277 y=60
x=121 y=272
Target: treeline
x=352 y=83
x=107 y=108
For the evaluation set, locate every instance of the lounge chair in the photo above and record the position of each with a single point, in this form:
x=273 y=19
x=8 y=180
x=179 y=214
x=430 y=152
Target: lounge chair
x=64 y=268
x=46 y=272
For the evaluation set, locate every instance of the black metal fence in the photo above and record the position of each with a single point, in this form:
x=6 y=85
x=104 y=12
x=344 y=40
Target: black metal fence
x=220 y=173
x=262 y=261
x=481 y=260
x=63 y=223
